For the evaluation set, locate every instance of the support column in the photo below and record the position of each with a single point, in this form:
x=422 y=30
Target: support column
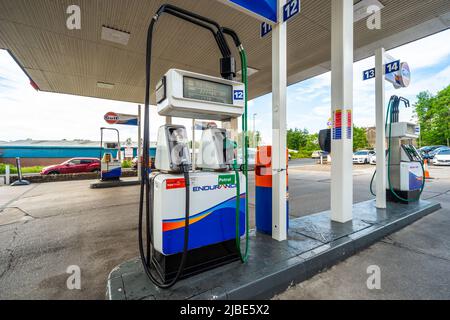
x=168 y=120
x=279 y=83
x=342 y=110
x=380 y=113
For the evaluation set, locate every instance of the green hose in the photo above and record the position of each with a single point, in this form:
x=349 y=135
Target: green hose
x=243 y=257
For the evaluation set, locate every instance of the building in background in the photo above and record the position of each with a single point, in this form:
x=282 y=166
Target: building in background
x=371 y=136
x=48 y=152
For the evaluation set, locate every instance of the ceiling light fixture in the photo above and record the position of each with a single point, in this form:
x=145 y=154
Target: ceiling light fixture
x=105 y=85
x=114 y=35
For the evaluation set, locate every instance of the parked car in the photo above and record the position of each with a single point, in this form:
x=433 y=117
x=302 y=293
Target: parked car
x=373 y=158
x=433 y=153
x=442 y=157
x=75 y=165
x=251 y=157
x=428 y=151
x=362 y=157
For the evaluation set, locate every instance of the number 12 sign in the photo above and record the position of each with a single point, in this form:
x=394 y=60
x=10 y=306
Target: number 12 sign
x=290 y=9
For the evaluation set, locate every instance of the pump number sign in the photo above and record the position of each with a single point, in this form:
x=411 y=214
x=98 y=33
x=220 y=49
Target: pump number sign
x=390 y=67
x=291 y=9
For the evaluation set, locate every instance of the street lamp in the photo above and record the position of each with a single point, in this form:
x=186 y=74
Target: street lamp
x=254 y=132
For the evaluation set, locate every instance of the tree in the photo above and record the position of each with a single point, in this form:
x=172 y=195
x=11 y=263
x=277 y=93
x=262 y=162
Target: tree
x=433 y=114
x=359 y=138
x=297 y=139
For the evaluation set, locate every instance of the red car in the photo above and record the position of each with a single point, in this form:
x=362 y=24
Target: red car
x=75 y=165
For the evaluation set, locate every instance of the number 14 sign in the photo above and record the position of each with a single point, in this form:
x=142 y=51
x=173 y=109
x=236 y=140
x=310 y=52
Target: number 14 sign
x=389 y=68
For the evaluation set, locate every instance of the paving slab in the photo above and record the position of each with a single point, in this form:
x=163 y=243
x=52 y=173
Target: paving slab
x=314 y=243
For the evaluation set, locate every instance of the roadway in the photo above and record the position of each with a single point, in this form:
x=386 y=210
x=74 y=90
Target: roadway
x=45 y=228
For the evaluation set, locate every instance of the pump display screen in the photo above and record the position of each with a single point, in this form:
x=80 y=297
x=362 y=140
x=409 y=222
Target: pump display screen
x=204 y=90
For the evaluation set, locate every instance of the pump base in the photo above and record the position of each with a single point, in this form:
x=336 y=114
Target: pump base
x=198 y=260
x=412 y=195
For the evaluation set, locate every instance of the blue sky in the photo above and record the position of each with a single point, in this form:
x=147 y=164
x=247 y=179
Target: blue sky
x=26 y=113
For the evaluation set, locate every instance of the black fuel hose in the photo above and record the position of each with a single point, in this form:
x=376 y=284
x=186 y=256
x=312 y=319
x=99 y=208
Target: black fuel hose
x=145 y=188
x=146 y=258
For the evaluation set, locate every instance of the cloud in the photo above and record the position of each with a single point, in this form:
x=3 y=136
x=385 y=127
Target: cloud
x=39 y=115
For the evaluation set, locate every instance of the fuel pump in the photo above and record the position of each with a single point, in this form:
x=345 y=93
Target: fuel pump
x=110 y=166
x=405 y=171
x=194 y=219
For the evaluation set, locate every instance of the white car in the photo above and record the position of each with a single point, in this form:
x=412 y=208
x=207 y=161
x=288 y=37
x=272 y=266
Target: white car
x=442 y=158
x=362 y=157
x=373 y=159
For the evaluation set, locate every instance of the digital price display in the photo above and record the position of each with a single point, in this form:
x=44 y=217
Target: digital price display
x=205 y=90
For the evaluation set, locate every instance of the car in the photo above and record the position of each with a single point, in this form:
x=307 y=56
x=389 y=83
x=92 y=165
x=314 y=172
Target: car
x=442 y=157
x=373 y=158
x=433 y=153
x=362 y=156
x=75 y=165
x=251 y=157
x=427 y=152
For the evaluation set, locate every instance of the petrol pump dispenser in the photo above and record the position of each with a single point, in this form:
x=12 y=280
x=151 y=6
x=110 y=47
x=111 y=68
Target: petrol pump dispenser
x=110 y=166
x=206 y=196
x=405 y=172
x=194 y=220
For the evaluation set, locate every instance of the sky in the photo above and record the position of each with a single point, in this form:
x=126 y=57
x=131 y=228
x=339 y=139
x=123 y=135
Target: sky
x=28 y=114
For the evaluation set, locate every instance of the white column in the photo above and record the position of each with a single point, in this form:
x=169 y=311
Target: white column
x=342 y=104
x=139 y=155
x=380 y=114
x=7 y=175
x=279 y=83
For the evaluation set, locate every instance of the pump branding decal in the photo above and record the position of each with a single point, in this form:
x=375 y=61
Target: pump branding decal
x=238 y=94
x=337 y=125
x=227 y=179
x=175 y=183
x=349 y=124
x=217 y=224
x=415 y=177
x=213 y=187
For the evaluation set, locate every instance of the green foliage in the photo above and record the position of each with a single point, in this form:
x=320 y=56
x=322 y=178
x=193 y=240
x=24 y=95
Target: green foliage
x=254 y=139
x=126 y=164
x=301 y=154
x=433 y=114
x=360 y=139
x=13 y=169
x=302 y=141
